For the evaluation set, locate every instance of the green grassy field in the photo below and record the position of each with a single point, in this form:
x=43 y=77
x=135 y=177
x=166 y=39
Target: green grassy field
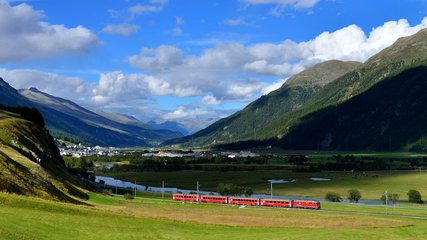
x=115 y=218
x=371 y=184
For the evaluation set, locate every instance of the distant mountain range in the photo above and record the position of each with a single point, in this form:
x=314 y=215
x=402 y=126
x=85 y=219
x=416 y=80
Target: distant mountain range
x=379 y=105
x=171 y=125
x=67 y=120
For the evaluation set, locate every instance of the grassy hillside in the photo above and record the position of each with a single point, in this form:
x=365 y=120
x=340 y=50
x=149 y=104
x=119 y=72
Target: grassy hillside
x=30 y=163
x=26 y=218
x=246 y=124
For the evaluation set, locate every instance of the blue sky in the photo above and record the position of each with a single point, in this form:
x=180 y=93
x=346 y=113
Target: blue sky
x=190 y=61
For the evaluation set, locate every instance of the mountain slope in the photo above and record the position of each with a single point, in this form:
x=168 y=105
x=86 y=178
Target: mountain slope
x=380 y=106
x=294 y=93
x=406 y=53
x=390 y=115
x=30 y=163
x=122 y=118
x=65 y=118
x=10 y=97
x=170 y=125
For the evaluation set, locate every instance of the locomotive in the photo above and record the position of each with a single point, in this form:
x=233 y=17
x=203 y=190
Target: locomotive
x=307 y=204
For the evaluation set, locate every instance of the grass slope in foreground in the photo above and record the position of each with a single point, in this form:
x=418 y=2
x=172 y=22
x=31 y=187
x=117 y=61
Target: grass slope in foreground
x=30 y=163
x=27 y=218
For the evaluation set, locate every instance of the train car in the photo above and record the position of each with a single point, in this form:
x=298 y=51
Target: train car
x=243 y=201
x=184 y=197
x=276 y=203
x=213 y=199
x=309 y=204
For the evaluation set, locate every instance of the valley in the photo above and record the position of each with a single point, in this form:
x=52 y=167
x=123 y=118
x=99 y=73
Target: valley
x=244 y=119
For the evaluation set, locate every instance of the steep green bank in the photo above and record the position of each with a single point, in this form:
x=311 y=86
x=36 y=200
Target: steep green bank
x=30 y=163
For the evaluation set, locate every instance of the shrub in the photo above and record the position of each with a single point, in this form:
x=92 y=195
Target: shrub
x=354 y=195
x=107 y=192
x=414 y=196
x=248 y=191
x=128 y=196
x=333 y=197
x=390 y=197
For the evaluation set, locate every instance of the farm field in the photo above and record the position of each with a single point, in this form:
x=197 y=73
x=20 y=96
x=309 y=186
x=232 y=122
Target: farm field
x=116 y=218
x=371 y=184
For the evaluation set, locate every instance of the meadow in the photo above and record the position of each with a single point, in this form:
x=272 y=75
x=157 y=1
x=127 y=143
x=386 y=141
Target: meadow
x=106 y=217
x=371 y=184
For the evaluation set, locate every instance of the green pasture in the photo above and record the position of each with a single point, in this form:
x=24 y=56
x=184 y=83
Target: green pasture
x=371 y=184
x=28 y=218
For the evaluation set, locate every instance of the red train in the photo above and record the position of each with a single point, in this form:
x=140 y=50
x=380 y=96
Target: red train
x=307 y=204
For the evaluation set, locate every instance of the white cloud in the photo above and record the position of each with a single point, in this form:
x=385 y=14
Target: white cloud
x=232 y=71
x=139 y=9
x=179 y=20
x=117 y=86
x=244 y=90
x=274 y=86
x=27 y=37
x=162 y=58
x=351 y=43
x=154 y=6
x=263 y=67
x=124 y=29
x=285 y=3
x=235 y=22
x=181 y=112
x=66 y=87
x=210 y=100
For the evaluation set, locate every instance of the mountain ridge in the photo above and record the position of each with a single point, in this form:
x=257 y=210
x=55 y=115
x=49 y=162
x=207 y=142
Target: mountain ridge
x=292 y=95
x=391 y=63
x=66 y=119
x=88 y=124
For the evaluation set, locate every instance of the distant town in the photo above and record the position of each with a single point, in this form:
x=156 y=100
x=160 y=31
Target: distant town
x=80 y=150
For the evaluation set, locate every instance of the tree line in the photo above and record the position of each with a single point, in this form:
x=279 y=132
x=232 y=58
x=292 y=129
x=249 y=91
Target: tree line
x=354 y=195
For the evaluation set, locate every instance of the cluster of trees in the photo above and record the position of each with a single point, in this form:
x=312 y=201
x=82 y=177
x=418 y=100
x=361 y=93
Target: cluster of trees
x=27 y=113
x=78 y=163
x=228 y=189
x=354 y=195
x=390 y=198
